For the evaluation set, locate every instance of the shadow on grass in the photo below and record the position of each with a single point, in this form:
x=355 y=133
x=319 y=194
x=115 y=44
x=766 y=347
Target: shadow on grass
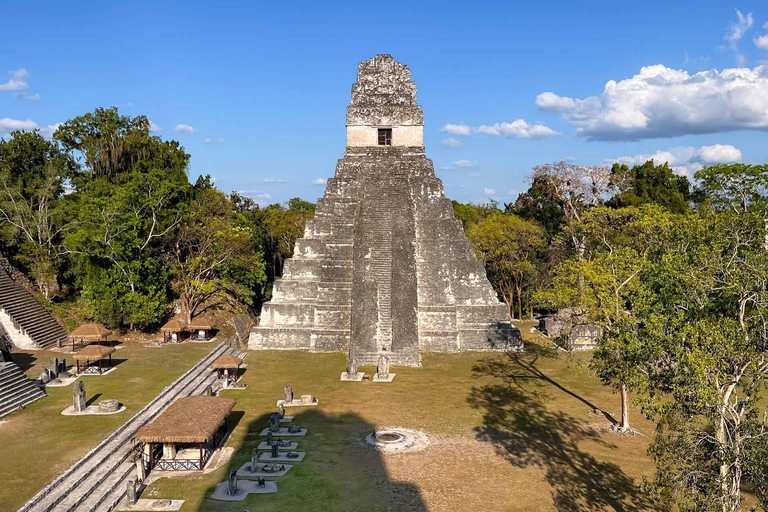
x=338 y=473
x=24 y=360
x=528 y=434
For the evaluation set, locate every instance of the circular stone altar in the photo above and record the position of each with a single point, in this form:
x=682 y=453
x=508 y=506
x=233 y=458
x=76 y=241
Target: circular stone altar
x=161 y=504
x=397 y=440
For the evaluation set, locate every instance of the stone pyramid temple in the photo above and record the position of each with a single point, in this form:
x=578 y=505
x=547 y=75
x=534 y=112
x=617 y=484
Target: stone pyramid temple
x=384 y=268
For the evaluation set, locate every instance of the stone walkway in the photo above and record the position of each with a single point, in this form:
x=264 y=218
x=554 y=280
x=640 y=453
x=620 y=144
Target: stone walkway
x=97 y=482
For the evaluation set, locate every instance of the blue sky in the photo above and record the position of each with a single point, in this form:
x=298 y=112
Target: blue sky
x=262 y=88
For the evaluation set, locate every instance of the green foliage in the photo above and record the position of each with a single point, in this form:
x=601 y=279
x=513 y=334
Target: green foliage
x=649 y=183
x=508 y=245
x=538 y=204
x=739 y=187
x=470 y=214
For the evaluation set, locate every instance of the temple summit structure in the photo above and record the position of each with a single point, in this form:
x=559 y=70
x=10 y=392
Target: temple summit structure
x=384 y=268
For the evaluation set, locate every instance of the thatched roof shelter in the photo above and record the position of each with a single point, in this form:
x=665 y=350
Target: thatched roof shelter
x=93 y=353
x=199 y=323
x=174 y=325
x=226 y=362
x=90 y=332
x=192 y=419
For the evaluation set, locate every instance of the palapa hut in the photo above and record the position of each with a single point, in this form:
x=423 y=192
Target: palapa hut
x=227 y=366
x=201 y=329
x=185 y=435
x=172 y=330
x=90 y=355
x=88 y=333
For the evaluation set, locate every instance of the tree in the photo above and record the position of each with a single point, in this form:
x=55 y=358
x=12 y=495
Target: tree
x=132 y=194
x=649 y=183
x=710 y=316
x=576 y=189
x=211 y=256
x=33 y=172
x=539 y=203
x=470 y=214
x=508 y=245
x=605 y=286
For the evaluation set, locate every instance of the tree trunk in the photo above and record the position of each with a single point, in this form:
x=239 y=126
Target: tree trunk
x=519 y=301
x=189 y=315
x=624 y=426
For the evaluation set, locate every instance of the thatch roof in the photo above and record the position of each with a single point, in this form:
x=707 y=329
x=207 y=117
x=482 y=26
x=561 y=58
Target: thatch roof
x=226 y=361
x=93 y=353
x=192 y=419
x=90 y=332
x=199 y=323
x=174 y=325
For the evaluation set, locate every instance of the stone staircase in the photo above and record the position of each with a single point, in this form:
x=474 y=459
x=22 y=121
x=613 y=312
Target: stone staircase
x=28 y=316
x=97 y=482
x=378 y=222
x=16 y=389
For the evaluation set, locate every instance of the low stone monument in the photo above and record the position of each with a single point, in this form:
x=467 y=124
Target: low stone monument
x=289 y=401
x=109 y=405
x=269 y=438
x=274 y=422
x=382 y=371
x=261 y=482
x=294 y=429
x=130 y=494
x=55 y=368
x=288 y=393
x=281 y=411
x=306 y=399
x=352 y=374
x=254 y=457
x=274 y=450
x=78 y=396
x=45 y=375
x=232 y=489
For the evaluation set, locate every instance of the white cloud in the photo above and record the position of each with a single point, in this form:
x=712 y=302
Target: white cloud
x=456 y=129
x=762 y=41
x=22 y=96
x=518 y=129
x=684 y=160
x=736 y=31
x=476 y=175
x=275 y=180
x=153 y=128
x=489 y=191
x=450 y=142
x=319 y=182
x=8 y=125
x=209 y=140
x=184 y=128
x=19 y=80
x=570 y=159
x=664 y=102
x=512 y=192
x=464 y=163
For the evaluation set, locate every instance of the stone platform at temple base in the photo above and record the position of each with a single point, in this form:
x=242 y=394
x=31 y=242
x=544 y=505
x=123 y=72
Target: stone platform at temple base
x=266 y=446
x=244 y=488
x=91 y=410
x=284 y=432
x=245 y=471
x=345 y=377
x=298 y=402
x=389 y=378
x=286 y=419
x=282 y=457
x=153 y=505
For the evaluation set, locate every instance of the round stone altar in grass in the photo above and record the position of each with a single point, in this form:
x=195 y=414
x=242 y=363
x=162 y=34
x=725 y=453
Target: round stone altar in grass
x=397 y=440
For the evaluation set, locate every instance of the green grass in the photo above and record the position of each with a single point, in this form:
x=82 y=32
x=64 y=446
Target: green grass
x=507 y=433
x=39 y=443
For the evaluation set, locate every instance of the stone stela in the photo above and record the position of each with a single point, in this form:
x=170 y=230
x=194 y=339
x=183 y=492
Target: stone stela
x=384 y=268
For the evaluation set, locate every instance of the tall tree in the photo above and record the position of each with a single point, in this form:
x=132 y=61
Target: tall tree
x=540 y=204
x=508 y=246
x=211 y=257
x=33 y=173
x=650 y=183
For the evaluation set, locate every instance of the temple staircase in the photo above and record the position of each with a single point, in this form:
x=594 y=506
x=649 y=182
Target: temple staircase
x=29 y=318
x=16 y=389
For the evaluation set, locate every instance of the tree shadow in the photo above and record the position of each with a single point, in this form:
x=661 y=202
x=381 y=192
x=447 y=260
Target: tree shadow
x=527 y=434
x=338 y=473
